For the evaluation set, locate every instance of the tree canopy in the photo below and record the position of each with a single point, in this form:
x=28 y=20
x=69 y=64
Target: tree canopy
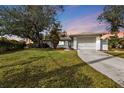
x=114 y=16
x=28 y=21
x=54 y=34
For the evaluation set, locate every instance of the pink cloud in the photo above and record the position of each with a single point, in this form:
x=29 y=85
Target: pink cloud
x=84 y=24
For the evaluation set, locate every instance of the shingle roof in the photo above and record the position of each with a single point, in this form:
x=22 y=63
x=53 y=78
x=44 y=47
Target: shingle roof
x=87 y=33
x=65 y=38
x=108 y=35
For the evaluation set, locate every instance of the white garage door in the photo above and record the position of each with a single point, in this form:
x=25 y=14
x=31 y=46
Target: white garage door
x=87 y=43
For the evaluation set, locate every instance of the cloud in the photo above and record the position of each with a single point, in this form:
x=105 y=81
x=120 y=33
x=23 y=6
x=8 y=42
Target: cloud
x=84 y=24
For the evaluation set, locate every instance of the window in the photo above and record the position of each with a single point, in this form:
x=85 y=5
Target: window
x=61 y=43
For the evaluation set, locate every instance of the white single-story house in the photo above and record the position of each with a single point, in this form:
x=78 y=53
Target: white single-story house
x=80 y=41
x=85 y=41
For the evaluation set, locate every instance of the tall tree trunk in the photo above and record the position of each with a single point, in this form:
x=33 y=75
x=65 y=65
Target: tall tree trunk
x=55 y=45
x=39 y=44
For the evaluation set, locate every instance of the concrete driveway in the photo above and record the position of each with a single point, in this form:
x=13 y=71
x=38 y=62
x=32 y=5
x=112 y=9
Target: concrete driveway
x=111 y=66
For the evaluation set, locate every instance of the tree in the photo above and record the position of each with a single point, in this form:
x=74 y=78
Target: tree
x=63 y=34
x=114 y=16
x=28 y=21
x=113 y=42
x=121 y=42
x=54 y=35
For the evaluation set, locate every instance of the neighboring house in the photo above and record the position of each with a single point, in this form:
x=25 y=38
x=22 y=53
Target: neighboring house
x=108 y=35
x=89 y=41
x=14 y=37
x=27 y=41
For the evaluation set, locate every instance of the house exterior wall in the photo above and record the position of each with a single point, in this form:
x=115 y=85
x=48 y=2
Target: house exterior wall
x=74 y=43
x=104 y=44
x=101 y=44
x=66 y=44
x=98 y=43
x=63 y=44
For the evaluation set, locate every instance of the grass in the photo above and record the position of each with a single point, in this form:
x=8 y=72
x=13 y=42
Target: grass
x=117 y=52
x=49 y=68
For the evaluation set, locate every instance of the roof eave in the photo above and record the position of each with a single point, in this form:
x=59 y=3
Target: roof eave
x=86 y=35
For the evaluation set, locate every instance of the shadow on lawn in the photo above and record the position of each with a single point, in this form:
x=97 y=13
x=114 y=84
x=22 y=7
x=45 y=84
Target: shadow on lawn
x=36 y=76
x=19 y=50
x=54 y=60
x=23 y=62
x=11 y=51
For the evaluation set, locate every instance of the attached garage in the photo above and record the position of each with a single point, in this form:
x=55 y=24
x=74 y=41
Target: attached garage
x=86 y=42
x=89 y=41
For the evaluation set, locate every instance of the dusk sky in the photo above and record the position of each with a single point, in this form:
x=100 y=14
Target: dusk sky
x=78 y=19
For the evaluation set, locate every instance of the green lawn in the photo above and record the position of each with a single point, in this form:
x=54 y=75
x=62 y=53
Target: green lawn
x=49 y=68
x=117 y=52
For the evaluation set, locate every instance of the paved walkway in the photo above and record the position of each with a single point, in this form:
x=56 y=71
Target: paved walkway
x=111 y=66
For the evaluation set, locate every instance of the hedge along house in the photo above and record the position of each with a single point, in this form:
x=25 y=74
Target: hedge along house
x=89 y=41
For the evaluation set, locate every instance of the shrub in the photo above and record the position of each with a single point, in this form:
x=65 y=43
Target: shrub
x=113 y=42
x=45 y=45
x=7 y=45
x=121 y=43
x=116 y=42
